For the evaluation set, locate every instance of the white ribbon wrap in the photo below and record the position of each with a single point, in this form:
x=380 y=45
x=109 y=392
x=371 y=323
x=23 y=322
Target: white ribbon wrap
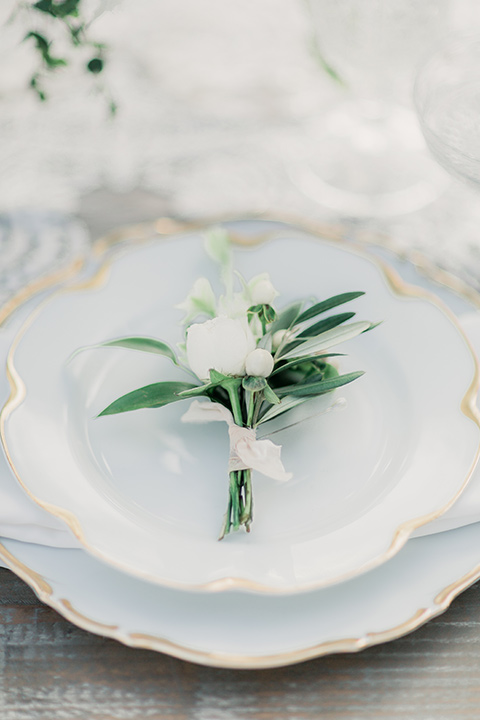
x=246 y=452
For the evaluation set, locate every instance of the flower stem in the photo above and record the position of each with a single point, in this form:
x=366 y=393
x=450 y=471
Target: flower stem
x=247 y=515
x=251 y=397
x=232 y=389
x=227 y=524
x=240 y=503
x=235 y=497
x=239 y=508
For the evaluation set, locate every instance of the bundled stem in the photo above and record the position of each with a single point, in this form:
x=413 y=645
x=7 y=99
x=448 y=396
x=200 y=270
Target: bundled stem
x=240 y=504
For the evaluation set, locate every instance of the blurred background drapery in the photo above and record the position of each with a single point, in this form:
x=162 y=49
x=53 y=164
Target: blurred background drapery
x=209 y=95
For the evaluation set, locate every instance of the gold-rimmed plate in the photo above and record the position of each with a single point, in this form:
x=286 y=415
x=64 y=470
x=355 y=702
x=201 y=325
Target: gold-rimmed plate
x=145 y=493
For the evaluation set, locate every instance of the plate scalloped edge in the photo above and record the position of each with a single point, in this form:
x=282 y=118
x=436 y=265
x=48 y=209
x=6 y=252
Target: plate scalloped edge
x=167 y=227
x=66 y=609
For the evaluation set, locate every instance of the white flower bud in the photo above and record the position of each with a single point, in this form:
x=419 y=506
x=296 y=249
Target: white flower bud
x=263 y=293
x=281 y=336
x=220 y=344
x=260 y=290
x=259 y=363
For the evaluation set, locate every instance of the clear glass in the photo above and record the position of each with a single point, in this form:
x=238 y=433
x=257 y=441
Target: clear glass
x=447 y=98
x=366 y=155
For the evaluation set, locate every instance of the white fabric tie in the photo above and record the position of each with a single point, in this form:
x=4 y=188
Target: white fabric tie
x=246 y=452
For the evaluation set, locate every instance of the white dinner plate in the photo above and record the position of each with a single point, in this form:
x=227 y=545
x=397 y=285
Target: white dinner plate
x=146 y=494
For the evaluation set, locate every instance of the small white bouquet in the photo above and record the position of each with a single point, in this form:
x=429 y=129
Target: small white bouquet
x=251 y=362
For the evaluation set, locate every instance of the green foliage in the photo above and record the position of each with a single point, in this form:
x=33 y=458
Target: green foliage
x=326 y=340
x=328 y=304
x=58 y=9
x=66 y=14
x=288 y=402
x=151 y=396
x=327 y=324
x=43 y=47
x=320 y=387
x=266 y=313
x=293 y=364
x=287 y=318
x=270 y=396
x=144 y=344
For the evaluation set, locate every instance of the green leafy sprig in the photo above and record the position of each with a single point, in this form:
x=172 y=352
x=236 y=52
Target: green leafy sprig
x=67 y=14
x=298 y=344
x=301 y=368
x=302 y=371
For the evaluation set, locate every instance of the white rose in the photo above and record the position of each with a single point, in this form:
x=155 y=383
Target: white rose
x=220 y=344
x=259 y=363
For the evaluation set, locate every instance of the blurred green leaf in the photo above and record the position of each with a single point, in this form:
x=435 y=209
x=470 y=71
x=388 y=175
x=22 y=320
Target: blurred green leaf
x=43 y=46
x=58 y=9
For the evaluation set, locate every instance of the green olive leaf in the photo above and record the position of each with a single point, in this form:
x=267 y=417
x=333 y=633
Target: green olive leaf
x=145 y=344
x=287 y=317
x=151 y=396
x=291 y=363
x=286 y=403
x=270 y=396
x=327 y=340
x=324 y=325
x=328 y=304
x=320 y=387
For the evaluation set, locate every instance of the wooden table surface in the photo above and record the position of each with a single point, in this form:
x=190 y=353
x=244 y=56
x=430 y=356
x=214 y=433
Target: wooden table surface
x=52 y=670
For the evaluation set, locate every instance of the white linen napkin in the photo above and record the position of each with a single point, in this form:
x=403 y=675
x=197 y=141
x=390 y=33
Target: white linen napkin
x=22 y=519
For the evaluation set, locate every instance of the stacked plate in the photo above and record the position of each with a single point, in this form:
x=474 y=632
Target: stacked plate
x=327 y=566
